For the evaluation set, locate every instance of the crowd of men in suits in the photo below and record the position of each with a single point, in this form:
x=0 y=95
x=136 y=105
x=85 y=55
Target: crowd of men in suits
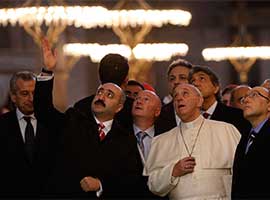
x=114 y=144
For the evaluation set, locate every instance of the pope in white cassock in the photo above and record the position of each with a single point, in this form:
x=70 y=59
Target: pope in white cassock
x=195 y=159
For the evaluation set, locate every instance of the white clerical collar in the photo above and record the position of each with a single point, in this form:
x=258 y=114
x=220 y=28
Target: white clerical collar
x=192 y=124
x=211 y=109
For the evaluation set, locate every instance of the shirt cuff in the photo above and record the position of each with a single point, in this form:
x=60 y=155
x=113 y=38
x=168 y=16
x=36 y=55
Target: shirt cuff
x=42 y=77
x=100 y=191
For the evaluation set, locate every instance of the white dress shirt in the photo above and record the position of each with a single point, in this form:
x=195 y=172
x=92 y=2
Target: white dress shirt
x=146 y=141
x=23 y=123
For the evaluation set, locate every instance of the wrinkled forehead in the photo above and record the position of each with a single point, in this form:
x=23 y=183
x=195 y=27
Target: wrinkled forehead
x=110 y=87
x=261 y=90
x=147 y=93
x=187 y=87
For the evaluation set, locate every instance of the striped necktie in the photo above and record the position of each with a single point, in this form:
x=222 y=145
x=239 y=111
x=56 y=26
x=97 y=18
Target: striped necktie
x=101 y=132
x=251 y=139
x=140 y=137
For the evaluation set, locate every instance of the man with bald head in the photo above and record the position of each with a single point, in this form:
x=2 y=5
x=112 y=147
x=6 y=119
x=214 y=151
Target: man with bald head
x=251 y=164
x=237 y=95
x=193 y=160
x=146 y=108
x=96 y=156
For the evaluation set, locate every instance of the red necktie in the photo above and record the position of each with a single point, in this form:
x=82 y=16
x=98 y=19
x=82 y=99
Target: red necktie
x=206 y=115
x=100 y=131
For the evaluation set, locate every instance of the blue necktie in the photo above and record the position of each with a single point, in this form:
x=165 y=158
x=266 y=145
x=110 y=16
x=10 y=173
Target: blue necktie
x=250 y=140
x=140 y=137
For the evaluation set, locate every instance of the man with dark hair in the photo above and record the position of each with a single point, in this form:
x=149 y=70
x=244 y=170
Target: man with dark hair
x=226 y=94
x=177 y=74
x=208 y=83
x=97 y=156
x=112 y=68
x=24 y=143
x=133 y=88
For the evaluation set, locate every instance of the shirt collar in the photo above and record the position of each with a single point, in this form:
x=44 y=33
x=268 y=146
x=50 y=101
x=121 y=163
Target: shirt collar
x=211 y=109
x=20 y=115
x=107 y=124
x=150 y=131
x=259 y=127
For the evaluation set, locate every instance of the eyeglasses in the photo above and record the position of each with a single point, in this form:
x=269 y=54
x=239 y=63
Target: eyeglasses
x=253 y=95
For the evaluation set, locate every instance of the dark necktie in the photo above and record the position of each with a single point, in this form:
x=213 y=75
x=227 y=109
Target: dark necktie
x=29 y=139
x=206 y=115
x=101 y=132
x=250 y=140
x=140 y=137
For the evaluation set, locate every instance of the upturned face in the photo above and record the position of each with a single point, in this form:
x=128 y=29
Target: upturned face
x=256 y=104
x=107 y=101
x=203 y=82
x=187 y=102
x=238 y=95
x=132 y=91
x=146 y=105
x=23 y=97
x=178 y=75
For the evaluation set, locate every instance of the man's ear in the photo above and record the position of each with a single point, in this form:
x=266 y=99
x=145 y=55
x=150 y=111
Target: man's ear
x=120 y=107
x=216 y=88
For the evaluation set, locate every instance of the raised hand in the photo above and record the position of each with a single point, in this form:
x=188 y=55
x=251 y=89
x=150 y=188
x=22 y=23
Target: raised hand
x=49 y=55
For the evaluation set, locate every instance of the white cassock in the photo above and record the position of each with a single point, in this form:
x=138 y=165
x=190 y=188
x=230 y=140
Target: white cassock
x=213 y=152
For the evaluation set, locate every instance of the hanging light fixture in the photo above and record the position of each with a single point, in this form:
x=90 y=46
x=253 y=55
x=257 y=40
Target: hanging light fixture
x=148 y=52
x=242 y=53
x=92 y=16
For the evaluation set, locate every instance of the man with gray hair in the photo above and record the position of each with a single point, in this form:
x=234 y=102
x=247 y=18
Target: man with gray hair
x=25 y=143
x=193 y=160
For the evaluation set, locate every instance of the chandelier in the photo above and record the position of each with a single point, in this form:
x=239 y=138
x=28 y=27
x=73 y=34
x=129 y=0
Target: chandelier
x=242 y=53
x=148 y=52
x=92 y=16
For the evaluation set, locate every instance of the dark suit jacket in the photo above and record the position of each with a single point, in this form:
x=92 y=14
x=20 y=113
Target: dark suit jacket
x=124 y=117
x=251 y=171
x=166 y=120
x=19 y=178
x=115 y=160
x=231 y=115
x=143 y=189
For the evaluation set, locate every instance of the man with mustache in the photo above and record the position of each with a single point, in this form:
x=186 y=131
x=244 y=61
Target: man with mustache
x=193 y=160
x=96 y=157
x=96 y=154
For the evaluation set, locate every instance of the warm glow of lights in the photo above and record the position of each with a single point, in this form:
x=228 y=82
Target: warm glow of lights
x=95 y=51
x=91 y=17
x=151 y=52
x=218 y=54
x=159 y=52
